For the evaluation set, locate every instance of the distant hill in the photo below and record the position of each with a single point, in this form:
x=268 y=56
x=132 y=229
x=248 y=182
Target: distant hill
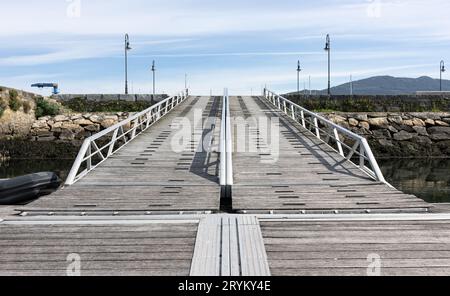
x=388 y=85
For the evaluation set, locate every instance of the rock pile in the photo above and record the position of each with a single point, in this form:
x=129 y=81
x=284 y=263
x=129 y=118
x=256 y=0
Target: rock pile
x=68 y=128
x=400 y=133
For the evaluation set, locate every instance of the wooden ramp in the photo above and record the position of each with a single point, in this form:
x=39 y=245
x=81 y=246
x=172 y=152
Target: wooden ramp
x=154 y=172
x=301 y=173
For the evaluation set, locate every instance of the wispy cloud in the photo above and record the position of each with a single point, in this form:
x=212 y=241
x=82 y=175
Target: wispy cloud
x=239 y=43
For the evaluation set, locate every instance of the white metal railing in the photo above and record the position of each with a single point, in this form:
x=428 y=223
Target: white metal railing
x=97 y=148
x=348 y=144
x=226 y=144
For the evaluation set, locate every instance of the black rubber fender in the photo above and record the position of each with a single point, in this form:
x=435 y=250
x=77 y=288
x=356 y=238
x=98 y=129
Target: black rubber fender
x=26 y=188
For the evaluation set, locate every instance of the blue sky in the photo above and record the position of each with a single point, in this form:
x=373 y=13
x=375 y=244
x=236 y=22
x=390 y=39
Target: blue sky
x=239 y=44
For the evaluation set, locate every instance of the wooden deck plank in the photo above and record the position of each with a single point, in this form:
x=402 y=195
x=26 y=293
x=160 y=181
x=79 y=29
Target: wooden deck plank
x=153 y=249
x=342 y=248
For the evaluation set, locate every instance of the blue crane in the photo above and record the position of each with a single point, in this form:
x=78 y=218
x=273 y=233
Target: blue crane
x=42 y=85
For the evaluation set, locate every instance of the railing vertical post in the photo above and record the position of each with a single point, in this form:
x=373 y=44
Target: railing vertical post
x=316 y=126
x=113 y=142
x=373 y=162
x=292 y=112
x=338 y=142
x=78 y=161
x=135 y=124
x=302 y=115
x=362 y=153
x=158 y=114
x=149 y=118
x=89 y=159
x=279 y=102
x=285 y=107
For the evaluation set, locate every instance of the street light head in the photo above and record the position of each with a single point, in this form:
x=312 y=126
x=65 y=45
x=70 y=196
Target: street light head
x=328 y=43
x=127 y=42
x=442 y=66
x=299 y=67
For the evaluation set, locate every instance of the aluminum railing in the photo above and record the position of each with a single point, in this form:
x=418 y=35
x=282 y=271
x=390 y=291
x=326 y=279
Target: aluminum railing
x=97 y=148
x=226 y=144
x=348 y=144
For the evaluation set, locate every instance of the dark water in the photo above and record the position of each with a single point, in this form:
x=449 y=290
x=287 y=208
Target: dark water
x=428 y=179
x=14 y=168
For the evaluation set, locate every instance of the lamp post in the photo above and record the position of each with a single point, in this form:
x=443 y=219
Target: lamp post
x=298 y=77
x=154 y=81
x=441 y=70
x=127 y=48
x=328 y=49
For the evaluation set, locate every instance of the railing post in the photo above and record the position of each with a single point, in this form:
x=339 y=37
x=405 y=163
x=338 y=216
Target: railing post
x=89 y=159
x=338 y=142
x=113 y=142
x=285 y=107
x=302 y=115
x=76 y=166
x=292 y=112
x=158 y=114
x=316 y=125
x=149 y=118
x=133 y=133
x=279 y=102
x=362 y=153
x=373 y=162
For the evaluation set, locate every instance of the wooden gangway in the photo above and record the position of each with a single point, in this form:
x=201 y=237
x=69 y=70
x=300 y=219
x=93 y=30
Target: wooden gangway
x=304 y=197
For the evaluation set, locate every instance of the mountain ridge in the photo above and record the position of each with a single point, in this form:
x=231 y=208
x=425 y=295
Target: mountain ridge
x=388 y=85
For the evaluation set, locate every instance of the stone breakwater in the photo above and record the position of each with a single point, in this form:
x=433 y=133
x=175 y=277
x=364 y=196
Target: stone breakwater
x=72 y=128
x=400 y=134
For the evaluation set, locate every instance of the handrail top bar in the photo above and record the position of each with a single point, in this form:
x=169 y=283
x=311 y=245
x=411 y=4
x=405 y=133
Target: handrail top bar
x=340 y=128
x=128 y=120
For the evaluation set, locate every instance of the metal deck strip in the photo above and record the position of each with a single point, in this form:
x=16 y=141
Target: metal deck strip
x=206 y=259
x=229 y=245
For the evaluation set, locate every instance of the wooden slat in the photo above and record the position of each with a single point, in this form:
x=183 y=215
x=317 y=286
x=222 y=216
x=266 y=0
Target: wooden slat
x=342 y=247
x=150 y=249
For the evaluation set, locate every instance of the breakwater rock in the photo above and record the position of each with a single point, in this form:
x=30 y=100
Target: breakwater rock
x=72 y=128
x=415 y=134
